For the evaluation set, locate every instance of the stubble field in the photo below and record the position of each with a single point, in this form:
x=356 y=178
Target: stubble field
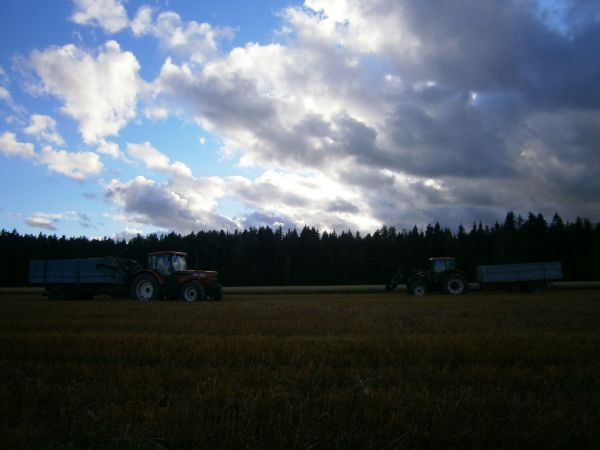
x=487 y=370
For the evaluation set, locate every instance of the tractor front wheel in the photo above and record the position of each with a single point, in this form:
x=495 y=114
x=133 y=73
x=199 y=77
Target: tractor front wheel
x=417 y=288
x=192 y=291
x=145 y=287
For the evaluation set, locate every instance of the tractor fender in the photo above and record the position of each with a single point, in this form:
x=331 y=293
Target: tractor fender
x=160 y=280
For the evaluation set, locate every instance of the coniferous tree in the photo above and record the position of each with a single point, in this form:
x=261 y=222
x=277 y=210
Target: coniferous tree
x=264 y=256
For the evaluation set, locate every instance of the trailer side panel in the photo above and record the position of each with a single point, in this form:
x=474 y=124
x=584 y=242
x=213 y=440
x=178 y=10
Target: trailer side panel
x=511 y=273
x=72 y=271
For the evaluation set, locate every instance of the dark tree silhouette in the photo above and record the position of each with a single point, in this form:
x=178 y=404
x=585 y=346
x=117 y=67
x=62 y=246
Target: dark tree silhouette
x=262 y=256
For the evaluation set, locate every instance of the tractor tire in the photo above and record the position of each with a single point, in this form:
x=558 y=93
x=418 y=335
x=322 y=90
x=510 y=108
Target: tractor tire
x=192 y=291
x=418 y=288
x=455 y=285
x=217 y=292
x=144 y=288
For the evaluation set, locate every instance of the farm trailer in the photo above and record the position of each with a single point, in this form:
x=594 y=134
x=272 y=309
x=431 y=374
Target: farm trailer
x=533 y=277
x=166 y=276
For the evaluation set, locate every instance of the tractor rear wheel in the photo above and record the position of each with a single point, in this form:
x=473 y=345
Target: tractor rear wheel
x=455 y=285
x=145 y=287
x=192 y=291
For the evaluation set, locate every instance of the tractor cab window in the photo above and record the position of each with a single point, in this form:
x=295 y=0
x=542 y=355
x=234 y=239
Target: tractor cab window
x=441 y=265
x=160 y=263
x=179 y=263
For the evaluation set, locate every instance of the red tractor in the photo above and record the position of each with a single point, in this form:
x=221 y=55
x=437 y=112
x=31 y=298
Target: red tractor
x=442 y=276
x=167 y=276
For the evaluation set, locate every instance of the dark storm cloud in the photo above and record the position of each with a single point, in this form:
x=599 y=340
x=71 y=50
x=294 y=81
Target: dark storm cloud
x=485 y=46
x=341 y=205
x=457 y=141
x=365 y=176
x=265 y=191
x=496 y=102
x=528 y=135
x=153 y=203
x=565 y=154
x=230 y=102
x=512 y=65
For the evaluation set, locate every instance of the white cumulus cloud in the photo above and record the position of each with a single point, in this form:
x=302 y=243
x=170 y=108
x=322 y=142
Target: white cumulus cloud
x=109 y=148
x=99 y=91
x=75 y=165
x=4 y=94
x=305 y=199
x=110 y=15
x=10 y=146
x=142 y=22
x=43 y=223
x=155 y=160
x=44 y=127
x=194 y=41
x=48 y=221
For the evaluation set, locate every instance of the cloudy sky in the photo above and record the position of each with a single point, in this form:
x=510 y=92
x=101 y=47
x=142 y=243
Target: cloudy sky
x=123 y=116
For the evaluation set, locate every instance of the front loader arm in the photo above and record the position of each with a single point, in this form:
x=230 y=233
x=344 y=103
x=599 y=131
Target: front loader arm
x=399 y=277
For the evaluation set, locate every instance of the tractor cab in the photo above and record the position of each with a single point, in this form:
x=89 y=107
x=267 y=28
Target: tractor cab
x=439 y=267
x=442 y=264
x=167 y=263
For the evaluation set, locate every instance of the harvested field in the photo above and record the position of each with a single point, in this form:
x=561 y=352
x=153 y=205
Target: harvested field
x=373 y=370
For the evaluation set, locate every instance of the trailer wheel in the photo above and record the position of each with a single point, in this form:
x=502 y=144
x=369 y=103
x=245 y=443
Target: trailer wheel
x=454 y=285
x=145 y=287
x=192 y=291
x=217 y=292
x=418 y=288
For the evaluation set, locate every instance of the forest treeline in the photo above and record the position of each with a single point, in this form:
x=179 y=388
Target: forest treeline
x=265 y=256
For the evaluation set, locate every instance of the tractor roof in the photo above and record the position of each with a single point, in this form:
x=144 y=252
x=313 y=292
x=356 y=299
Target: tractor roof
x=167 y=252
